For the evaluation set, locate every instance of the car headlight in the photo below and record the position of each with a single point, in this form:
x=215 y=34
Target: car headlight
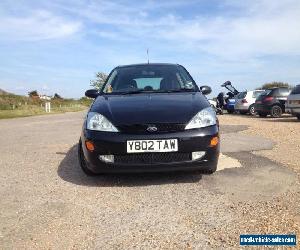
x=96 y=121
x=204 y=118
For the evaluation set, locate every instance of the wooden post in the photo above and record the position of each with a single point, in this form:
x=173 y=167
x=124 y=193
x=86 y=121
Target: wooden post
x=48 y=107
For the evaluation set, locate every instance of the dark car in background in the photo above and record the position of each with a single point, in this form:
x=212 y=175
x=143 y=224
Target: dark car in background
x=149 y=117
x=272 y=102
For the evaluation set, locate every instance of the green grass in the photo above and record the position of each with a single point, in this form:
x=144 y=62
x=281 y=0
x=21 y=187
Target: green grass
x=12 y=106
x=5 y=114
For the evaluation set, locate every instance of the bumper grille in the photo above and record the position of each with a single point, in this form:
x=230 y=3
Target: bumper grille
x=152 y=158
x=142 y=128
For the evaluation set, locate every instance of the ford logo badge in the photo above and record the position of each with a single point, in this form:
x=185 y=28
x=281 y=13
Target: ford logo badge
x=152 y=129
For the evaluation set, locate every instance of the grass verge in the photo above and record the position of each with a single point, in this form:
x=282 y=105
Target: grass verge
x=31 y=111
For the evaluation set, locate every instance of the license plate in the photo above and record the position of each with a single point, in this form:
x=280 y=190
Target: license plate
x=141 y=146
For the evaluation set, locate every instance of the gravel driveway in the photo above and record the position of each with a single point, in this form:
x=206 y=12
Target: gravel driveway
x=47 y=202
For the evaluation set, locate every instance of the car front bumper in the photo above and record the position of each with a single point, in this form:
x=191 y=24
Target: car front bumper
x=293 y=110
x=115 y=144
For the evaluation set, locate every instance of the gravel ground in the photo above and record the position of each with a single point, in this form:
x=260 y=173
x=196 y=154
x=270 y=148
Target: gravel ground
x=48 y=203
x=285 y=132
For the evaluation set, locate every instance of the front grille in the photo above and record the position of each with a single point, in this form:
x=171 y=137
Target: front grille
x=152 y=158
x=142 y=128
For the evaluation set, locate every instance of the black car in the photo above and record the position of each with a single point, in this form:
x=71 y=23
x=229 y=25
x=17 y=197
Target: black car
x=149 y=117
x=272 y=102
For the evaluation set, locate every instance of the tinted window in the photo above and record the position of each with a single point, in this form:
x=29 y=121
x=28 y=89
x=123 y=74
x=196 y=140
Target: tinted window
x=267 y=91
x=274 y=92
x=296 y=90
x=149 y=78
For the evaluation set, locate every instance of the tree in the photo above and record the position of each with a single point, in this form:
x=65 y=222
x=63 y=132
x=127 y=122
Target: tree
x=275 y=84
x=33 y=94
x=57 y=96
x=99 y=81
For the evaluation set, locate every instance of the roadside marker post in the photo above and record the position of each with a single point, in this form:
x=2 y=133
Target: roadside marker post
x=48 y=107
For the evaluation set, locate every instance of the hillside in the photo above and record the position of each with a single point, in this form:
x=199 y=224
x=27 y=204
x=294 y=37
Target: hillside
x=3 y=92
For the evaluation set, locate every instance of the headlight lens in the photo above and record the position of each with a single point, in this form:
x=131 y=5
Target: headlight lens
x=99 y=122
x=204 y=118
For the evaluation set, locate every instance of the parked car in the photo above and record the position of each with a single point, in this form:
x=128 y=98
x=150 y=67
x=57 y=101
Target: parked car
x=293 y=102
x=149 y=117
x=230 y=100
x=272 y=102
x=244 y=102
x=229 y=106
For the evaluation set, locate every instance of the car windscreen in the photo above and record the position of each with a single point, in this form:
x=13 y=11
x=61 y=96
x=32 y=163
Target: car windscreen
x=145 y=78
x=267 y=91
x=296 y=90
x=241 y=95
x=257 y=94
x=263 y=94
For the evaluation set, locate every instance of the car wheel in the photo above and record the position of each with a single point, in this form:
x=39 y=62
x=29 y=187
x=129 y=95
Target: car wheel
x=262 y=114
x=82 y=161
x=276 y=111
x=252 y=110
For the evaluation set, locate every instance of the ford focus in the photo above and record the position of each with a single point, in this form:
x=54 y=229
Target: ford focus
x=149 y=118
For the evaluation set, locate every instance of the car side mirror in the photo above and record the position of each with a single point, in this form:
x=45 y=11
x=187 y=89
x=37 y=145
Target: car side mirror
x=205 y=90
x=92 y=93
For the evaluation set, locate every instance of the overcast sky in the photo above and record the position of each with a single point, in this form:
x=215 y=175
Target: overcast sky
x=58 y=45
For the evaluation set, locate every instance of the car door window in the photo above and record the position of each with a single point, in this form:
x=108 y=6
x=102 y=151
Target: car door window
x=296 y=90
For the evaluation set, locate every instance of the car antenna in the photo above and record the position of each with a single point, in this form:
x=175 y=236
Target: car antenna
x=148 y=55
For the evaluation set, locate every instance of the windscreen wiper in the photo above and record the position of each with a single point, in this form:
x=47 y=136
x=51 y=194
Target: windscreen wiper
x=133 y=92
x=178 y=90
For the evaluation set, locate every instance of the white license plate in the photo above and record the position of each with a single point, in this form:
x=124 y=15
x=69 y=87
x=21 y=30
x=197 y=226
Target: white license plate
x=140 y=146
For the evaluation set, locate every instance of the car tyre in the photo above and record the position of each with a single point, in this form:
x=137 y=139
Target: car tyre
x=276 y=111
x=82 y=161
x=252 y=110
x=262 y=114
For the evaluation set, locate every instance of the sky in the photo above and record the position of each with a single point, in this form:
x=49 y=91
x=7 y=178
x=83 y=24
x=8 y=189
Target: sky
x=57 y=46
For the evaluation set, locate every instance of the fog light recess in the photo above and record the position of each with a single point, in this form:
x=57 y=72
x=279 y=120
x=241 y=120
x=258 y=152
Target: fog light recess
x=106 y=158
x=197 y=155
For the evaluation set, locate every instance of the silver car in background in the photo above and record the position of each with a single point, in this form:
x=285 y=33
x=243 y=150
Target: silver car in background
x=293 y=102
x=244 y=102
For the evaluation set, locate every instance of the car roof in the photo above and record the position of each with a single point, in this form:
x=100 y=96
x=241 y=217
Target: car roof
x=146 y=64
x=278 y=88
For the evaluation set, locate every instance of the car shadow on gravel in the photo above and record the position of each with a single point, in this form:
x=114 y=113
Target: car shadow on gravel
x=70 y=171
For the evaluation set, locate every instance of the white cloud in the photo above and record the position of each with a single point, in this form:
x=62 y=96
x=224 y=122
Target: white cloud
x=40 y=25
x=258 y=28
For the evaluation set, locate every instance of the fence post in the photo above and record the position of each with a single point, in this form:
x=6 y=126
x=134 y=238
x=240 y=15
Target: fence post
x=48 y=107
